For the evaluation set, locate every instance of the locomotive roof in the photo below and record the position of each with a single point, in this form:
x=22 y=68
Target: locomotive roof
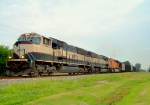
x=34 y=34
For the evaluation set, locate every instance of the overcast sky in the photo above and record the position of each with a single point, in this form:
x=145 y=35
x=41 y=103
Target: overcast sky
x=115 y=28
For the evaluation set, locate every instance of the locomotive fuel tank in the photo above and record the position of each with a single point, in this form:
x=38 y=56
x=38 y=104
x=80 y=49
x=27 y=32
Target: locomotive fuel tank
x=69 y=69
x=104 y=70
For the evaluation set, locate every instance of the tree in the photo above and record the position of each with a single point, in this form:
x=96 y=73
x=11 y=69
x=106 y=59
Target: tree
x=4 y=53
x=138 y=66
x=148 y=69
x=127 y=63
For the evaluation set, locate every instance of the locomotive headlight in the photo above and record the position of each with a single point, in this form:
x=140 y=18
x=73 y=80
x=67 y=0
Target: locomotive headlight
x=22 y=56
x=27 y=34
x=9 y=57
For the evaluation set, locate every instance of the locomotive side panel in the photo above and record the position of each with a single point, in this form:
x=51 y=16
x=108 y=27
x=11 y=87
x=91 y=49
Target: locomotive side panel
x=105 y=64
x=72 y=57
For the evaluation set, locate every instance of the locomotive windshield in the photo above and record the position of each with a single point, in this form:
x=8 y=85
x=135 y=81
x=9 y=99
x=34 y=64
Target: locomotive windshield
x=30 y=38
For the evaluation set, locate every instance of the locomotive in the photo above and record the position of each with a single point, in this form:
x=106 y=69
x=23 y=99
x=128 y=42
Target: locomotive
x=34 y=54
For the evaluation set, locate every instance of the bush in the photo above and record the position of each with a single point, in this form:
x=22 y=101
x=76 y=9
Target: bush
x=4 y=53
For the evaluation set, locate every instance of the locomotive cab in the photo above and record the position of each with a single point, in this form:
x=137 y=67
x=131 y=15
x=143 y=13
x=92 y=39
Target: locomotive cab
x=26 y=43
x=114 y=65
x=22 y=61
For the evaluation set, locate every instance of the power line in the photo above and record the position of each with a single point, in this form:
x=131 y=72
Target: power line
x=6 y=34
x=11 y=27
x=7 y=31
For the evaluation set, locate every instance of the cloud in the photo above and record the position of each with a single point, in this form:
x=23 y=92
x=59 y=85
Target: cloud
x=64 y=19
x=90 y=16
x=82 y=17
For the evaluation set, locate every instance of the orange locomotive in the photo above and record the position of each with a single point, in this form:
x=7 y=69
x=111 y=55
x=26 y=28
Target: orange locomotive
x=114 y=65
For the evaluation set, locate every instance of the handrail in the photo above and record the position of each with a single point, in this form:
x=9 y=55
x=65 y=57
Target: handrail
x=30 y=58
x=32 y=55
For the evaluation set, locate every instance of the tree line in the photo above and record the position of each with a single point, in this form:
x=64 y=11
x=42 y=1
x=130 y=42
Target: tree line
x=5 y=51
x=137 y=65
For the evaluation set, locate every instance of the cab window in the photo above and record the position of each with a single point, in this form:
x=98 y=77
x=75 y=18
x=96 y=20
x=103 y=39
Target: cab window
x=46 y=41
x=35 y=40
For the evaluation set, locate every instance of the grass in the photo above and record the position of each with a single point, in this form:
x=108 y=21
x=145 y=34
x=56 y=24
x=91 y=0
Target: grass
x=103 y=89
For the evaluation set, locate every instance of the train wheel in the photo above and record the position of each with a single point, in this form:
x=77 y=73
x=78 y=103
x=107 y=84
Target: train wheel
x=50 y=73
x=110 y=70
x=90 y=72
x=99 y=70
x=40 y=74
x=32 y=73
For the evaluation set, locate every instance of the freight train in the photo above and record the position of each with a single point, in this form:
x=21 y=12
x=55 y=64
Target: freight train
x=34 y=54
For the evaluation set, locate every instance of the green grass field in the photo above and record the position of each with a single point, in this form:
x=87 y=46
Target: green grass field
x=100 y=89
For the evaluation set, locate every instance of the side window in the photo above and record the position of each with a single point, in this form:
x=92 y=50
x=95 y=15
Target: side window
x=46 y=41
